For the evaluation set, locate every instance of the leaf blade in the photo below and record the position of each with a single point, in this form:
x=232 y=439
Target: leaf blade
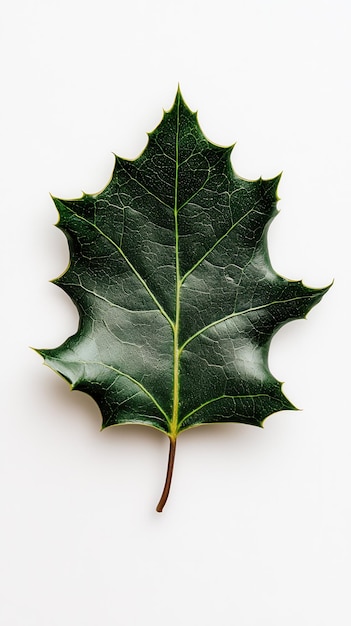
x=177 y=298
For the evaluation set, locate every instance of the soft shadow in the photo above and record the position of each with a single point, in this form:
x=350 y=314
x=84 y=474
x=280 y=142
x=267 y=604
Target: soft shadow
x=220 y=433
x=53 y=389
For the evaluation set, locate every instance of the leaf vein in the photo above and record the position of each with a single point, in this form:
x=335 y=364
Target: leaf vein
x=238 y=313
x=215 y=245
x=136 y=382
x=135 y=180
x=112 y=304
x=222 y=156
x=238 y=397
x=129 y=263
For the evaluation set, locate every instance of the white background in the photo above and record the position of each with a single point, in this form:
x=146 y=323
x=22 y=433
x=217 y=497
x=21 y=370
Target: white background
x=257 y=528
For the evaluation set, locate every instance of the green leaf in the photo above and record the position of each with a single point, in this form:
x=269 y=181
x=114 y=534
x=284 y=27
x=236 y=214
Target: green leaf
x=176 y=294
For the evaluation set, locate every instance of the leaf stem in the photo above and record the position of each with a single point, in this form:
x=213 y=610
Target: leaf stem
x=165 y=492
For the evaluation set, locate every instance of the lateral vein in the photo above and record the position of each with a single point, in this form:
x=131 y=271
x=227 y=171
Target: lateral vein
x=238 y=397
x=237 y=314
x=136 y=382
x=129 y=263
x=215 y=245
x=135 y=180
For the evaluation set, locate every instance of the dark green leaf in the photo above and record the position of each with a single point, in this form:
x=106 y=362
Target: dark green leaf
x=176 y=294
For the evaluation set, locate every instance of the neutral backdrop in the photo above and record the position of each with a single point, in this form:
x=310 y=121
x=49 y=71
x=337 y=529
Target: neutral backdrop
x=257 y=527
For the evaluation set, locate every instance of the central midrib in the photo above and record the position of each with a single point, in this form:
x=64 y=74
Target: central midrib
x=174 y=421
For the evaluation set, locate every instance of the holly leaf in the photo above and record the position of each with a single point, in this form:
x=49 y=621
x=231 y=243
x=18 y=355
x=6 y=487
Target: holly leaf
x=177 y=298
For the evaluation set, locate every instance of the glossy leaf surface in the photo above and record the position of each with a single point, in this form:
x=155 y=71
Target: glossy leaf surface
x=176 y=294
